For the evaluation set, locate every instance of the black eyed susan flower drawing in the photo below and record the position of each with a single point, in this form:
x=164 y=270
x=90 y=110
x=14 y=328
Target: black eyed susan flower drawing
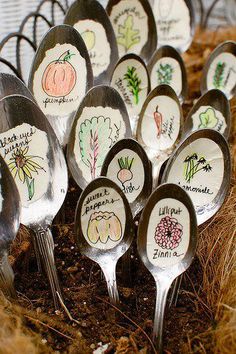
x=24 y=167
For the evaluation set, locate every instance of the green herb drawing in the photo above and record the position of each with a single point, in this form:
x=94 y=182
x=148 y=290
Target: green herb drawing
x=193 y=164
x=208 y=119
x=95 y=141
x=23 y=165
x=164 y=74
x=125 y=174
x=219 y=75
x=133 y=82
x=128 y=36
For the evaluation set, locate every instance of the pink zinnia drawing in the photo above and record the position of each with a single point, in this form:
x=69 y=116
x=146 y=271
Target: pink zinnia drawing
x=168 y=233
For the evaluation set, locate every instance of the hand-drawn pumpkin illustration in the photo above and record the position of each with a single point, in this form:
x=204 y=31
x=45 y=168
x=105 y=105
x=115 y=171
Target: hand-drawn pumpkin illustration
x=89 y=39
x=103 y=226
x=59 y=77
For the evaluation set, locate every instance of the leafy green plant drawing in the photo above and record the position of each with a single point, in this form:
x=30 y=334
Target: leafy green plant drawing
x=164 y=74
x=133 y=83
x=219 y=75
x=193 y=165
x=208 y=119
x=24 y=166
x=128 y=36
x=95 y=141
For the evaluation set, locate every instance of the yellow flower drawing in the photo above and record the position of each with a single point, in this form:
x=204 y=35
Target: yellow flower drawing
x=23 y=166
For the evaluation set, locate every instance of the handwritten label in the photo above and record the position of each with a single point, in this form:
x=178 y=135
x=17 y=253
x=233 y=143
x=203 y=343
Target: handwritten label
x=126 y=169
x=161 y=123
x=130 y=23
x=24 y=149
x=168 y=233
x=98 y=46
x=59 y=84
x=222 y=73
x=103 y=218
x=209 y=117
x=97 y=130
x=167 y=71
x=173 y=23
x=199 y=169
x=130 y=79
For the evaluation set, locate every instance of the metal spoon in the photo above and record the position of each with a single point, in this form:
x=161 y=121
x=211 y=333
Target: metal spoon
x=100 y=122
x=9 y=224
x=219 y=71
x=128 y=166
x=201 y=164
x=167 y=239
x=175 y=23
x=90 y=19
x=134 y=26
x=130 y=78
x=33 y=154
x=104 y=228
x=167 y=67
x=11 y=85
x=212 y=110
x=60 y=76
x=159 y=126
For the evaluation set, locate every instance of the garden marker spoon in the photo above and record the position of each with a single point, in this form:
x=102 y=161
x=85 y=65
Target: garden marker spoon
x=167 y=67
x=159 y=126
x=128 y=166
x=167 y=240
x=33 y=154
x=100 y=121
x=175 y=23
x=9 y=224
x=104 y=228
x=220 y=70
x=212 y=111
x=134 y=26
x=60 y=76
x=130 y=78
x=201 y=164
x=11 y=85
x=90 y=19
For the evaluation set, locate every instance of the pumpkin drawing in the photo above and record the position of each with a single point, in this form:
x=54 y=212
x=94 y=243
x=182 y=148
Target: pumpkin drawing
x=59 y=77
x=103 y=226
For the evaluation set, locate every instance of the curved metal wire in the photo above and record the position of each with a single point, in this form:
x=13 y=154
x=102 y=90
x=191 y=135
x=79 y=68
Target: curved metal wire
x=53 y=4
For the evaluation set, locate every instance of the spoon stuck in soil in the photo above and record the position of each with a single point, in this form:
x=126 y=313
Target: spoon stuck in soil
x=167 y=239
x=104 y=228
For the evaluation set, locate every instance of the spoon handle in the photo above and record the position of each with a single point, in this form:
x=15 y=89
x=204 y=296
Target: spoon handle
x=175 y=290
x=45 y=249
x=109 y=271
x=7 y=277
x=161 y=296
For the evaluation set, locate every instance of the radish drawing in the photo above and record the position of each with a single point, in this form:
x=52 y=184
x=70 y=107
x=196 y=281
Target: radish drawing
x=125 y=174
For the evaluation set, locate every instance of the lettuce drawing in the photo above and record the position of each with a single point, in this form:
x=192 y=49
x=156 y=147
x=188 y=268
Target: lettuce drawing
x=208 y=119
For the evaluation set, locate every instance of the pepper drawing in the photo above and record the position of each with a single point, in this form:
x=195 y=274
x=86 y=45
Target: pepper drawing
x=158 y=120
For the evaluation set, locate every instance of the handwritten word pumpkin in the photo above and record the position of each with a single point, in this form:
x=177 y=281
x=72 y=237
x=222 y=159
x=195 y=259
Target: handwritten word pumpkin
x=103 y=226
x=59 y=77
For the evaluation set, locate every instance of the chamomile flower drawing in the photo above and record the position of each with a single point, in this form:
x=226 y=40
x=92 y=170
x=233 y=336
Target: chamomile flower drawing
x=25 y=167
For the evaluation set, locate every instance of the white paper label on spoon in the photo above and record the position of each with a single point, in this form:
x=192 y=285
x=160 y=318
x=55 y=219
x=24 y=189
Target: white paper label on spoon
x=199 y=169
x=173 y=22
x=131 y=81
x=59 y=83
x=103 y=218
x=130 y=23
x=126 y=169
x=167 y=71
x=24 y=149
x=168 y=233
x=161 y=123
x=98 y=129
x=98 y=46
x=222 y=73
x=209 y=117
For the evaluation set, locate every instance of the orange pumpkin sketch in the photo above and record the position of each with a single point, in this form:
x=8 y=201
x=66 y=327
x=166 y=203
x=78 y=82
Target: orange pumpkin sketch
x=59 y=77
